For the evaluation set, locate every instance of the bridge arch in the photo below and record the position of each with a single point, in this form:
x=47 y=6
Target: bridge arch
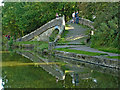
x=60 y=22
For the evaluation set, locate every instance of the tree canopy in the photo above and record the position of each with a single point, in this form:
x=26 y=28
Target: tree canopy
x=21 y=18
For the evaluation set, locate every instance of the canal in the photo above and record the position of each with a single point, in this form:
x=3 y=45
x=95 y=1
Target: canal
x=31 y=69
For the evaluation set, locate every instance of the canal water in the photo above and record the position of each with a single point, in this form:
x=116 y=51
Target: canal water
x=31 y=69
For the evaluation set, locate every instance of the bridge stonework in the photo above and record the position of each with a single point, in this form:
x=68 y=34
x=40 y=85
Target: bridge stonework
x=86 y=22
x=45 y=30
x=44 y=36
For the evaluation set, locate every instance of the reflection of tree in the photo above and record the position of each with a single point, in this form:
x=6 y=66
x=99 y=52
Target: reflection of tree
x=68 y=81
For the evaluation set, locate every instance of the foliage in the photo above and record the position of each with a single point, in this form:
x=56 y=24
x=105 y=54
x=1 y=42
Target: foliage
x=10 y=42
x=53 y=35
x=28 y=42
x=21 y=18
x=64 y=67
x=106 y=25
x=105 y=22
x=109 y=49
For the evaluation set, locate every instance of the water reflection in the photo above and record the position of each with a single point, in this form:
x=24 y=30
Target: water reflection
x=52 y=69
x=1 y=84
x=69 y=73
x=14 y=63
x=90 y=66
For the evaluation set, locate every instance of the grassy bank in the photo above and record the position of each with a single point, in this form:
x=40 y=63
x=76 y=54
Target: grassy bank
x=38 y=44
x=109 y=49
x=113 y=57
x=28 y=42
x=80 y=52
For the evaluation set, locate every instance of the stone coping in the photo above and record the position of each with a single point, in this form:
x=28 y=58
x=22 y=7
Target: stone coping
x=90 y=59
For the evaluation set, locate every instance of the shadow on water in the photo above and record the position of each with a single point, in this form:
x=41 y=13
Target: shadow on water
x=29 y=69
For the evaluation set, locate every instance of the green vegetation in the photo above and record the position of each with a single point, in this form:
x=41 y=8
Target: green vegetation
x=67 y=82
x=38 y=44
x=43 y=46
x=62 y=39
x=64 y=33
x=67 y=25
x=109 y=49
x=64 y=67
x=69 y=43
x=21 y=18
x=53 y=35
x=113 y=57
x=105 y=80
x=10 y=42
x=107 y=32
x=28 y=42
x=80 y=52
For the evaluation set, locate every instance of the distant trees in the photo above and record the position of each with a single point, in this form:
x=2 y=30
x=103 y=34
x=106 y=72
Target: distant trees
x=21 y=18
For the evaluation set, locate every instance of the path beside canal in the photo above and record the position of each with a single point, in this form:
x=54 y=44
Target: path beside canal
x=76 y=35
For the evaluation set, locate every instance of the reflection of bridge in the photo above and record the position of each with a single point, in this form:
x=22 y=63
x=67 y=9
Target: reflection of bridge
x=60 y=22
x=53 y=69
x=94 y=67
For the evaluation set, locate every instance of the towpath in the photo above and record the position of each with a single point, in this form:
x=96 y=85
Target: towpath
x=75 y=36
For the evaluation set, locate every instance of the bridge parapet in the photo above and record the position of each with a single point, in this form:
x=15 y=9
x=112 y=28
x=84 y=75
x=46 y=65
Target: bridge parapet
x=86 y=22
x=45 y=27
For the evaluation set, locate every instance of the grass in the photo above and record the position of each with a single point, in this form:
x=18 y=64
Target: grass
x=38 y=44
x=113 y=57
x=62 y=40
x=109 y=49
x=80 y=52
x=69 y=44
x=67 y=25
x=64 y=33
x=28 y=42
x=43 y=46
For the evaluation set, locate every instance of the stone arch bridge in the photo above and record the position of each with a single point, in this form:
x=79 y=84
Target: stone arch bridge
x=45 y=31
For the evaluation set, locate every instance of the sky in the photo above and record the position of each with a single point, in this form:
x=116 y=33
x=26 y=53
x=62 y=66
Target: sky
x=1 y=2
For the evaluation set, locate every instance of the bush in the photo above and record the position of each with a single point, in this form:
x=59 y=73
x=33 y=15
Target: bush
x=106 y=33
